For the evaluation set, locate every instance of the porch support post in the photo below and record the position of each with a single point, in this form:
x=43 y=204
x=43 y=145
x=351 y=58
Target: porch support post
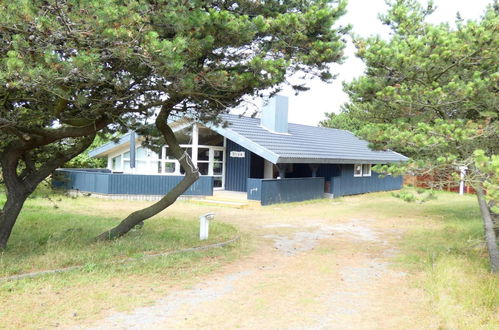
x=132 y=149
x=282 y=170
x=268 y=170
x=195 y=143
x=314 y=168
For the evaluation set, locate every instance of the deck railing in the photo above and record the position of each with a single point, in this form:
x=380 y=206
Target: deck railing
x=272 y=191
x=102 y=181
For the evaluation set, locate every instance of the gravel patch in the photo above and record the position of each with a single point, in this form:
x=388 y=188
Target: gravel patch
x=160 y=314
x=307 y=240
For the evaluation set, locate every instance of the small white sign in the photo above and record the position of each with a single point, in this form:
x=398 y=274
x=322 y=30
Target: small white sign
x=237 y=154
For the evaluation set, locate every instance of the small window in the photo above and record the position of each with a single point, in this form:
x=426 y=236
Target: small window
x=361 y=170
x=357 y=170
x=366 y=170
x=116 y=163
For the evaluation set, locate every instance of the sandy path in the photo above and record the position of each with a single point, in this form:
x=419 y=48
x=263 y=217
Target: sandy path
x=313 y=274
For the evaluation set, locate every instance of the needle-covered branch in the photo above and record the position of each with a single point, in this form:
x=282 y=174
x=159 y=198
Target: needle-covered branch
x=71 y=68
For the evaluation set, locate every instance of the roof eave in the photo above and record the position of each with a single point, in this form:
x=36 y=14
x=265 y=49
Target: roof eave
x=109 y=147
x=288 y=160
x=246 y=143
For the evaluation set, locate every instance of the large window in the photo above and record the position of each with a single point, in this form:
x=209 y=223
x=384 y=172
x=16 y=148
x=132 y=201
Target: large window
x=361 y=170
x=209 y=156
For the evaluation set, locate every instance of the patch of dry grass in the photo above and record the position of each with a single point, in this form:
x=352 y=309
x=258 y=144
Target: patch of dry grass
x=440 y=244
x=49 y=238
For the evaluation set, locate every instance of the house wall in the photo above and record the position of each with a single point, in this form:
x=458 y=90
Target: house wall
x=347 y=184
x=237 y=169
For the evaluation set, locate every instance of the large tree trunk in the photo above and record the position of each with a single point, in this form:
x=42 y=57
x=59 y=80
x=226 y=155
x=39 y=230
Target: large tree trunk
x=191 y=175
x=9 y=214
x=490 y=235
x=21 y=185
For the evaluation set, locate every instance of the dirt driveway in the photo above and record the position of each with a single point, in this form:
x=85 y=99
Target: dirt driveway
x=309 y=270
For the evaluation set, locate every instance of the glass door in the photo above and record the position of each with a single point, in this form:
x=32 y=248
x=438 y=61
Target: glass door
x=217 y=167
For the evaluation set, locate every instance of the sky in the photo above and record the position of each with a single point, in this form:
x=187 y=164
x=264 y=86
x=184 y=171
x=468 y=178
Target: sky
x=309 y=107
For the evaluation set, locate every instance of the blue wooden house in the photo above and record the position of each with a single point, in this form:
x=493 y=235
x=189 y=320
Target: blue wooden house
x=268 y=158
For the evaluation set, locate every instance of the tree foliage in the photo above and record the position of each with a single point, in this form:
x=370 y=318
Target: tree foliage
x=342 y=120
x=70 y=68
x=431 y=92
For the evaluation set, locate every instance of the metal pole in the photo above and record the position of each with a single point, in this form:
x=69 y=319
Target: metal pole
x=204 y=225
x=461 y=183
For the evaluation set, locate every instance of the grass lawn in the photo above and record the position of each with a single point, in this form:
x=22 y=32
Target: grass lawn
x=58 y=233
x=442 y=249
x=448 y=252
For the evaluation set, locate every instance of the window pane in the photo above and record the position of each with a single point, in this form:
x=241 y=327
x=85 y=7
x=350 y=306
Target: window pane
x=217 y=168
x=203 y=154
x=217 y=182
x=209 y=138
x=203 y=168
x=169 y=167
x=168 y=154
x=141 y=165
x=116 y=163
x=366 y=169
x=218 y=155
x=141 y=152
x=126 y=155
x=188 y=150
x=357 y=170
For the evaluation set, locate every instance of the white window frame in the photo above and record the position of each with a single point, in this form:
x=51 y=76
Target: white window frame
x=362 y=170
x=370 y=171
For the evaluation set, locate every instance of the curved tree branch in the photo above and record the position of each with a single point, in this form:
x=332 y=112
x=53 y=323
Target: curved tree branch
x=191 y=175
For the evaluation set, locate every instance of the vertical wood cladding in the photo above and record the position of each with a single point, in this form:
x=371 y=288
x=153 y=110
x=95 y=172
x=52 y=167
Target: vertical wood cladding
x=347 y=184
x=237 y=169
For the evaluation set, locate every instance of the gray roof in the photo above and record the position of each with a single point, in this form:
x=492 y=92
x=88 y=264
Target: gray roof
x=302 y=143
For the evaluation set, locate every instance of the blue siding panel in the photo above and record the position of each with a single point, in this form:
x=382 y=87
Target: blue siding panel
x=237 y=170
x=127 y=184
x=274 y=191
x=347 y=184
x=255 y=189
